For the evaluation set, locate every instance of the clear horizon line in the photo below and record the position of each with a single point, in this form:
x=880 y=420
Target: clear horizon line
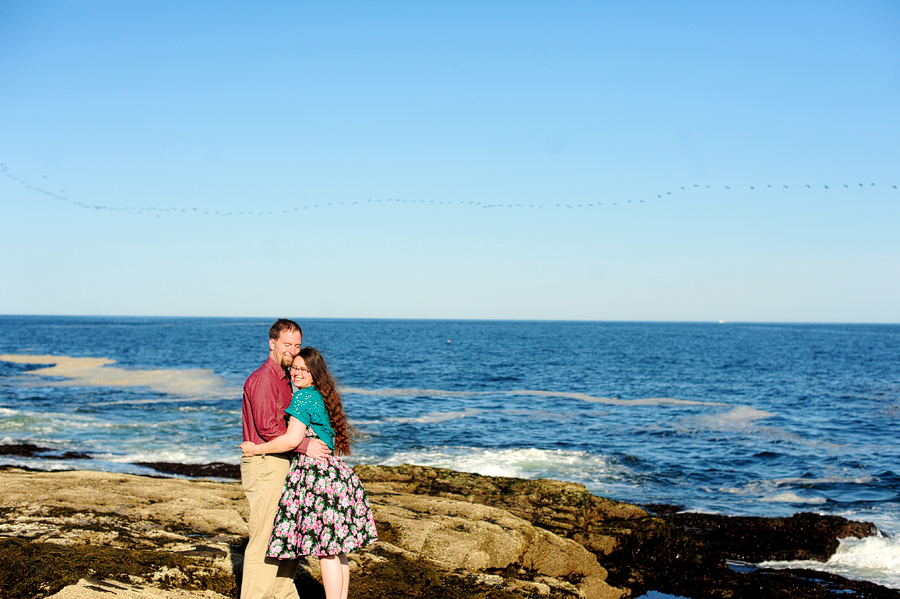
x=457 y=319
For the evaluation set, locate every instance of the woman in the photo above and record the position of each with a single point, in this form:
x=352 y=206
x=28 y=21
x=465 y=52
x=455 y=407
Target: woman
x=323 y=509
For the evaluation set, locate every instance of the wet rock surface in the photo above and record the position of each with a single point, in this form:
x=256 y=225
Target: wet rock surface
x=82 y=535
x=800 y=537
x=642 y=551
x=30 y=450
x=213 y=469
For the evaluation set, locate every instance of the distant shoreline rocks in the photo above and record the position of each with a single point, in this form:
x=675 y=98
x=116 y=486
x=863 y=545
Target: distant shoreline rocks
x=29 y=450
x=211 y=470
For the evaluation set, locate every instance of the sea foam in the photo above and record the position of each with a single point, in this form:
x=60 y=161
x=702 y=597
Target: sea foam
x=436 y=417
x=876 y=559
x=826 y=480
x=739 y=418
x=598 y=473
x=790 y=497
x=417 y=392
x=745 y=419
x=99 y=372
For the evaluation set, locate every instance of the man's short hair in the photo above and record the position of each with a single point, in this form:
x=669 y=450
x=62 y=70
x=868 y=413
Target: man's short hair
x=283 y=325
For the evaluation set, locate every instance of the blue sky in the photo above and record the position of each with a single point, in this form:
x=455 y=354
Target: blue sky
x=468 y=160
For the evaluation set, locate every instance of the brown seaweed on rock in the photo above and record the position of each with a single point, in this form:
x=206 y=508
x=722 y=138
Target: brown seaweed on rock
x=214 y=469
x=29 y=450
x=442 y=534
x=642 y=552
x=751 y=539
x=639 y=551
x=34 y=569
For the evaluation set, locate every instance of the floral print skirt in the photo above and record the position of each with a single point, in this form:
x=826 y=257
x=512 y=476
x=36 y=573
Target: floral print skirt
x=323 y=511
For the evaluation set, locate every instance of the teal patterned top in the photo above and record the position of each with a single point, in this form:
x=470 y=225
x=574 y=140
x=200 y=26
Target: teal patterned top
x=308 y=407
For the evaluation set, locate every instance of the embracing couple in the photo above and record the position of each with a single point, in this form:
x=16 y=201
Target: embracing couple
x=304 y=500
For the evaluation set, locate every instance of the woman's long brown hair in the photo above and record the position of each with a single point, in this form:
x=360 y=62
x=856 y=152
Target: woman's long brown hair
x=324 y=383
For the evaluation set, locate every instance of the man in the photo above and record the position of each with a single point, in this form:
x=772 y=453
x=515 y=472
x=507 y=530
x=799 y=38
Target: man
x=267 y=393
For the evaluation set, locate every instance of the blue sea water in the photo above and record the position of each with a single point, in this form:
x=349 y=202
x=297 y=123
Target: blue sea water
x=739 y=419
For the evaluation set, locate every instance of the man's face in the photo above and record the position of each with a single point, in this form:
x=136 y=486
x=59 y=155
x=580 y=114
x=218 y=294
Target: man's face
x=285 y=348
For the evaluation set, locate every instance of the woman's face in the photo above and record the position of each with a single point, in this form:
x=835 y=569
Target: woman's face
x=300 y=373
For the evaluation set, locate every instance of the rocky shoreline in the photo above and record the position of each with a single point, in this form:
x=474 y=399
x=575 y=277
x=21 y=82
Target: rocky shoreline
x=87 y=534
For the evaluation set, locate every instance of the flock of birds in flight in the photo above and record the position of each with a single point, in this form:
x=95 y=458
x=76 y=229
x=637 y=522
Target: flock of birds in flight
x=4 y=170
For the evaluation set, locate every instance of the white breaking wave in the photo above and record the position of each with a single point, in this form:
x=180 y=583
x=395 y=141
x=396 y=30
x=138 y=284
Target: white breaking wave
x=647 y=401
x=175 y=455
x=790 y=497
x=546 y=414
x=50 y=465
x=597 y=473
x=744 y=419
x=155 y=401
x=876 y=559
x=768 y=491
x=98 y=372
x=739 y=418
x=410 y=392
x=887 y=520
x=826 y=480
x=36 y=425
x=204 y=408
x=435 y=417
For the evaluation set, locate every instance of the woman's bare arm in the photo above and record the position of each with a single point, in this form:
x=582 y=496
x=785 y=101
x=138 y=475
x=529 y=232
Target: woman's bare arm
x=296 y=430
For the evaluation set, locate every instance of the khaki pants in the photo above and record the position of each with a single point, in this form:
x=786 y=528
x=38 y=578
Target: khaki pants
x=262 y=478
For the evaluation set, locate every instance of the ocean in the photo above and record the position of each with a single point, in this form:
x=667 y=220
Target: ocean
x=731 y=418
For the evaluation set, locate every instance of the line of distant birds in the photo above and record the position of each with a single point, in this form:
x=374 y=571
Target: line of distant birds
x=4 y=170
